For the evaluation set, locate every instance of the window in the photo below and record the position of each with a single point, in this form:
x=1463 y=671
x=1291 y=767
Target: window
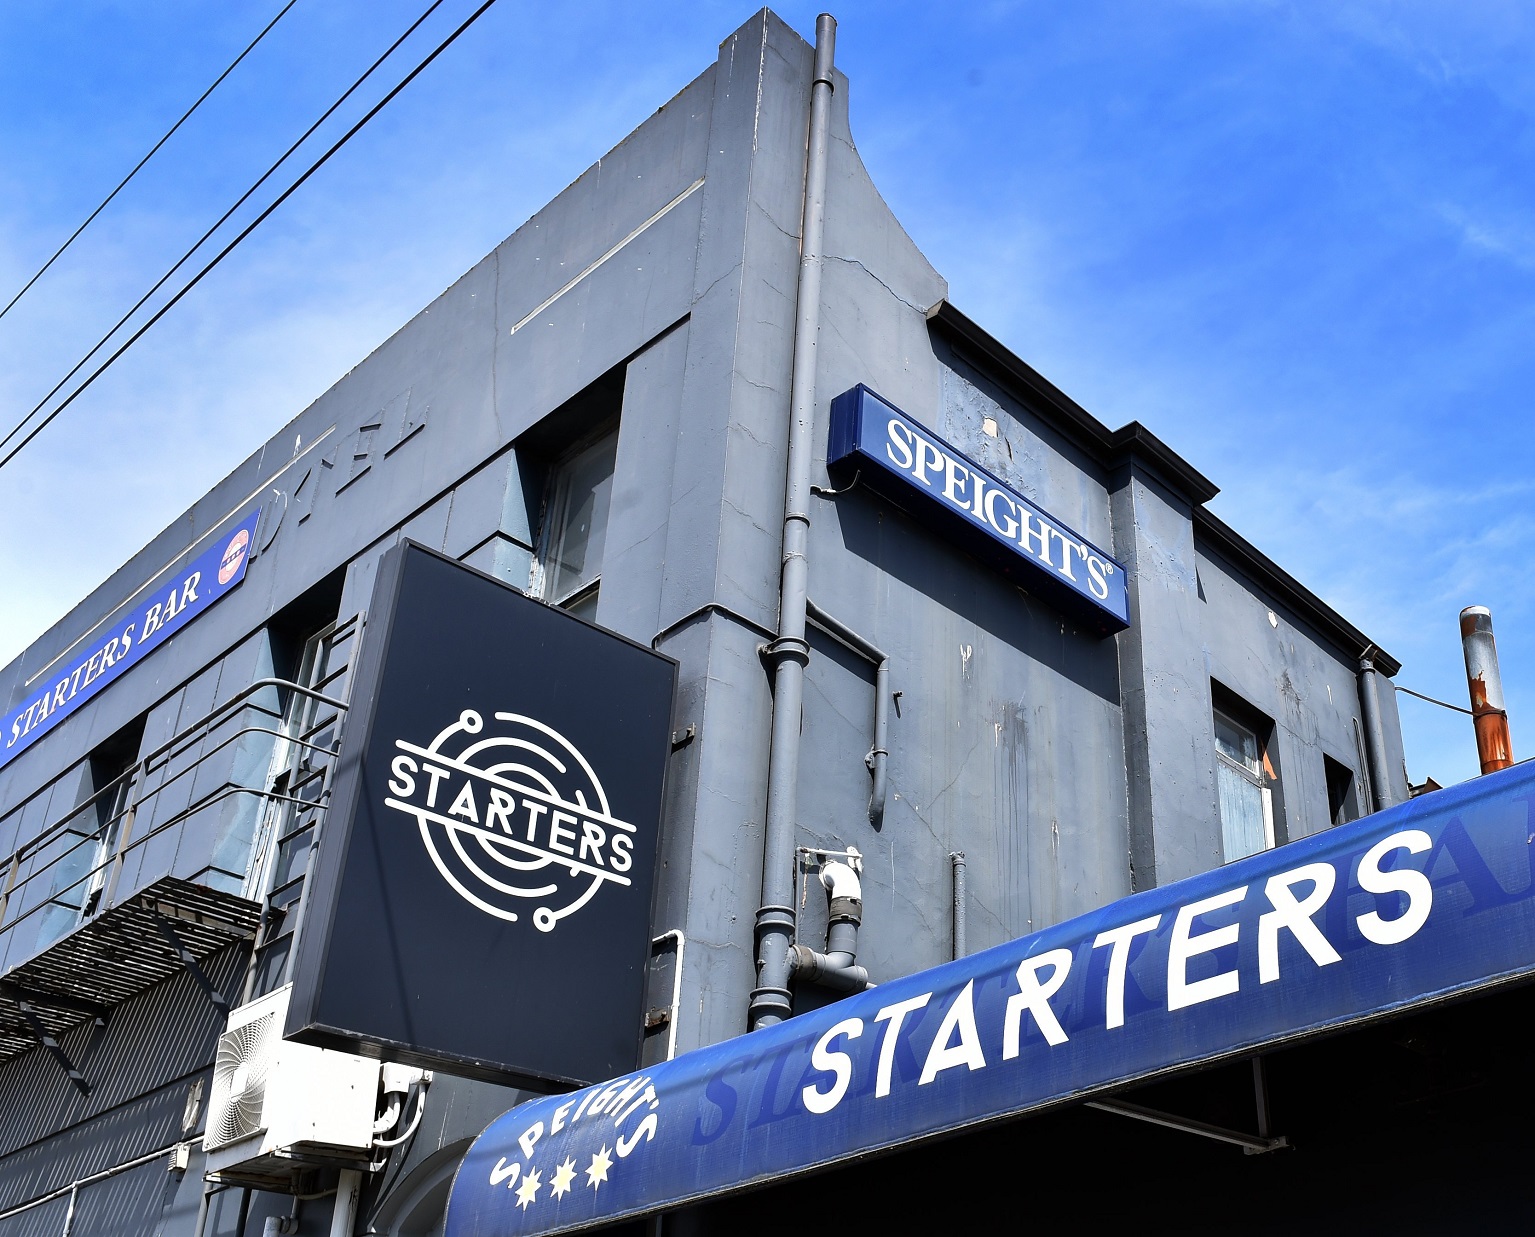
x=573 y=530
x=112 y=768
x=1243 y=782
x=1342 y=801
x=89 y=844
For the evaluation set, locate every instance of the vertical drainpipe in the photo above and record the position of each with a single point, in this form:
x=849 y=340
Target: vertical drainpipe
x=1494 y=747
x=961 y=903
x=790 y=651
x=1374 y=732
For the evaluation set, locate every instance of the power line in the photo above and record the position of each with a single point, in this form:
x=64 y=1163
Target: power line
x=106 y=201
x=198 y=244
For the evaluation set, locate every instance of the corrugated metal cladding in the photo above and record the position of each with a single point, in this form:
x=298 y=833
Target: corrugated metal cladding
x=655 y=296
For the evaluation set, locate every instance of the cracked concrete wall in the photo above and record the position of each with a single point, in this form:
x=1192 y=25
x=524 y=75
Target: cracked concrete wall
x=1307 y=686
x=1007 y=739
x=1281 y=668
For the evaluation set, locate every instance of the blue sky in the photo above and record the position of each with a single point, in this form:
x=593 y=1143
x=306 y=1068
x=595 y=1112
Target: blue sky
x=1295 y=240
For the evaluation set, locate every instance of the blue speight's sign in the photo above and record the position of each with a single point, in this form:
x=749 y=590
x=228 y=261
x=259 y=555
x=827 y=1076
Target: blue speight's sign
x=916 y=469
x=159 y=614
x=1429 y=899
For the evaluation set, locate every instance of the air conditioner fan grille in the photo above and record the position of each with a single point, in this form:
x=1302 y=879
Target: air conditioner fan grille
x=239 y=1081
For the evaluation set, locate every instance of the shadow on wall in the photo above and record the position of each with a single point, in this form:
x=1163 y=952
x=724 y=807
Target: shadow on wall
x=899 y=546
x=415 y=1205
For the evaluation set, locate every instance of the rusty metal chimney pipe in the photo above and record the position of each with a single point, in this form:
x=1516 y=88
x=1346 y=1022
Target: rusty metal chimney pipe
x=1493 y=746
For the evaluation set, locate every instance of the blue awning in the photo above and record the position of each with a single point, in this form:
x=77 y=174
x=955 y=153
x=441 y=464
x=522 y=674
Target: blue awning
x=1431 y=899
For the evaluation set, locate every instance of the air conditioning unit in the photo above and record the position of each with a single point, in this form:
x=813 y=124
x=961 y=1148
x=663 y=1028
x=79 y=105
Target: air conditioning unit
x=277 y=1106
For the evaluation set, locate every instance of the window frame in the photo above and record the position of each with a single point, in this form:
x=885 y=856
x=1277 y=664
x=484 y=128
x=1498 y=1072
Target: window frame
x=553 y=521
x=1228 y=709
x=1254 y=775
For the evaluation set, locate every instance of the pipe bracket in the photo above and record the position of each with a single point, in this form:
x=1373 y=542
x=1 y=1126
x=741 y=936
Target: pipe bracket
x=779 y=917
x=772 y=1003
x=790 y=648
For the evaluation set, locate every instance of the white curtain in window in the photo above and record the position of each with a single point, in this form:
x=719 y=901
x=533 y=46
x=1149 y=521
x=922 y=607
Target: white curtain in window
x=1242 y=817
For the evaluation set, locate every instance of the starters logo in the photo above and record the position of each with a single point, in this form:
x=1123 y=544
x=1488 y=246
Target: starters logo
x=513 y=817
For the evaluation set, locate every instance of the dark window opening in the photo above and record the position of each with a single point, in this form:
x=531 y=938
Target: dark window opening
x=1342 y=800
x=82 y=871
x=573 y=452
x=310 y=647
x=290 y=629
x=112 y=767
x=573 y=530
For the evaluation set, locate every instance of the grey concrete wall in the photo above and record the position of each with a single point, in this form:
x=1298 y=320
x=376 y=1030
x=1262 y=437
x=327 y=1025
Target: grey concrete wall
x=1169 y=745
x=1070 y=769
x=1281 y=668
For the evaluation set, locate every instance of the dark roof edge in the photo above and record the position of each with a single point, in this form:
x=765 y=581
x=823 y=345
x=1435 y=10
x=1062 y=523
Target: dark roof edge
x=1109 y=447
x=1221 y=537
x=1134 y=441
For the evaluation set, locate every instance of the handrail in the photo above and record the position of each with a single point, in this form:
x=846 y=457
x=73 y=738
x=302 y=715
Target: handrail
x=225 y=792
x=26 y=849
x=229 y=705
x=140 y=776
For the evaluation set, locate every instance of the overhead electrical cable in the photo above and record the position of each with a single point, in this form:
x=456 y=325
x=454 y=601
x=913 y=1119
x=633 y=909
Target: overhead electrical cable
x=218 y=223
x=223 y=253
x=169 y=133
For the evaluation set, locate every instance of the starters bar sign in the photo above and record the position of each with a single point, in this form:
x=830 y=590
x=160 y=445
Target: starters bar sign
x=1425 y=900
x=916 y=469
x=161 y=612
x=481 y=902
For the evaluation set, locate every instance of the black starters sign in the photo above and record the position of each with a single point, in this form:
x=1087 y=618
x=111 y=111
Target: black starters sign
x=481 y=899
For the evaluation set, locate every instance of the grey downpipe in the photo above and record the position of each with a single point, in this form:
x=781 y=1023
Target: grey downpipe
x=879 y=755
x=961 y=945
x=832 y=970
x=789 y=651
x=1374 y=732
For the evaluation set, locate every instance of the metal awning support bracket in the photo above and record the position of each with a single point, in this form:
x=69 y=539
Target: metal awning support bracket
x=184 y=955
x=12 y=991
x=1251 y=1144
x=55 y=1050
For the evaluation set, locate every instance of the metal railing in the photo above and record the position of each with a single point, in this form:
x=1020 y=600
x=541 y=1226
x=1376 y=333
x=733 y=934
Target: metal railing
x=46 y=896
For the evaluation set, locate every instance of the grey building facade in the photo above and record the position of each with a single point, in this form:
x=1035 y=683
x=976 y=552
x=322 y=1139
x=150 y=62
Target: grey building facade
x=597 y=413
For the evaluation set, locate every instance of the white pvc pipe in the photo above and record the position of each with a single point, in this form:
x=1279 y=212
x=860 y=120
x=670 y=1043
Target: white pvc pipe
x=343 y=1217
x=671 y=1024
